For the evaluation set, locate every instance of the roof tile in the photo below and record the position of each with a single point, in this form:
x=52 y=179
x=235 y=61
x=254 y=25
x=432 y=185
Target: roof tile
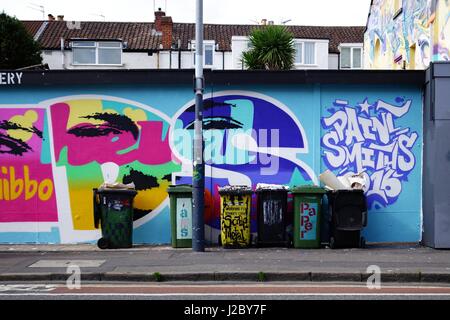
x=139 y=35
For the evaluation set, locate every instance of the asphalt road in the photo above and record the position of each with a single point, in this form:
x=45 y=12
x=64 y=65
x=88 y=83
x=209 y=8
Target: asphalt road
x=210 y=291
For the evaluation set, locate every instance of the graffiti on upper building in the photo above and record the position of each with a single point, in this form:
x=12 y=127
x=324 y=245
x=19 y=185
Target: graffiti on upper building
x=395 y=36
x=441 y=48
x=367 y=139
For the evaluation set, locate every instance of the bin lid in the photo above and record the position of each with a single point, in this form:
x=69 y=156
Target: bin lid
x=180 y=188
x=308 y=189
x=264 y=187
x=346 y=191
x=116 y=191
x=235 y=190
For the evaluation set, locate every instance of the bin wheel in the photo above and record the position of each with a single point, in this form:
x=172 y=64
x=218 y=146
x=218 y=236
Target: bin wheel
x=332 y=243
x=362 y=243
x=290 y=242
x=102 y=243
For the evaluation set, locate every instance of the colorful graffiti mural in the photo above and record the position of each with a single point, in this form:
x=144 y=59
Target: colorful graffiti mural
x=124 y=133
x=408 y=38
x=441 y=32
x=53 y=153
x=242 y=147
x=367 y=140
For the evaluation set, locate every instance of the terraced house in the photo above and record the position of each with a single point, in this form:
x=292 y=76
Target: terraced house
x=163 y=44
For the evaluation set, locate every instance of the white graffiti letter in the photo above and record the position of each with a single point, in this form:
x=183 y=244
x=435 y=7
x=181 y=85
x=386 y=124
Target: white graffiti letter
x=407 y=161
x=339 y=121
x=353 y=130
x=336 y=158
x=395 y=110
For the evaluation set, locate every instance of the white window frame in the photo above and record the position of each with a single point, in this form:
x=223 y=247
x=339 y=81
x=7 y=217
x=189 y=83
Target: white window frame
x=352 y=47
x=205 y=43
x=302 y=63
x=97 y=47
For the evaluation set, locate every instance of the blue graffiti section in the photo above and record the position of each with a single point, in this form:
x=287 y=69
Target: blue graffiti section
x=248 y=140
x=365 y=138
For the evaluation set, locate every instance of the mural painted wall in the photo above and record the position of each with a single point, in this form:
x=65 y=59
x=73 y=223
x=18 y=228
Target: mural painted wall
x=57 y=144
x=420 y=33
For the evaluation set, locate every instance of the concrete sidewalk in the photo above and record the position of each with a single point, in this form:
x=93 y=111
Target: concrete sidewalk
x=398 y=263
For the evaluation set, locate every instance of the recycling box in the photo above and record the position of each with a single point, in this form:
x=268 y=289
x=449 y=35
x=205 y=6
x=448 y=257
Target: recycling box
x=113 y=211
x=307 y=216
x=235 y=206
x=181 y=215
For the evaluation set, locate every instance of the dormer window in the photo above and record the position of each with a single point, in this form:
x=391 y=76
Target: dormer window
x=209 y=49
x=351 y=56
x=97 y=52
x=305 y=52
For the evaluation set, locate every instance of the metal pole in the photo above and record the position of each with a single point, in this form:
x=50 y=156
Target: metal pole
x=198 y=176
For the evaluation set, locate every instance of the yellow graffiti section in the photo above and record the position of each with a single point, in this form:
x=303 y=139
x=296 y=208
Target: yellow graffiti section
x=82 y=216
x=135 y=114
x=26 y=121
x=79 y=109
x=235 y=220
x=150 y=199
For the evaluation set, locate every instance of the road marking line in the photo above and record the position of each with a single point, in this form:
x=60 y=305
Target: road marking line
x=66 y=263
x=225 y=294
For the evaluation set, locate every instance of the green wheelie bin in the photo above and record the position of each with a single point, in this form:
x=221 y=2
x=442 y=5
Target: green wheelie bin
x=307 y=216
x=181 y=215
x=113 y=212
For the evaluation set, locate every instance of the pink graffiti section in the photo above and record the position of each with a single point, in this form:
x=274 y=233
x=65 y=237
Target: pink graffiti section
x=114 y=138
x=26 y=184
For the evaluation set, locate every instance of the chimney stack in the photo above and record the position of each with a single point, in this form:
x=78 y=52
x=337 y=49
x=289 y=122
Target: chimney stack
x=51 y=17
x=164 y=25
x=158 y=16
x=60 y=18
x=166 y=29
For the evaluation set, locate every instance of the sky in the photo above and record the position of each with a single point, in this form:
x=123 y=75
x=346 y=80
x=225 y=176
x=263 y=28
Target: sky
x=289 y=12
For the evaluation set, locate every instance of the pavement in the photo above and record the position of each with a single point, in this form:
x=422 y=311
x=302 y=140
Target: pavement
x=404 y=263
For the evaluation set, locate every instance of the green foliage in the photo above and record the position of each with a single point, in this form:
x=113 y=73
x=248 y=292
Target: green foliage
x=158 y=277
x=17 y=47
x=262 y=276
x=251 y=60
x=271 y=48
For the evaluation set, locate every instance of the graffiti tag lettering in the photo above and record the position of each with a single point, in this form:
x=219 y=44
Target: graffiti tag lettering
x=369 y=141
x=235 y=219
x=11 y=188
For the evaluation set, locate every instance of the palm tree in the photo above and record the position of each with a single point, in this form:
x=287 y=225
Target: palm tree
x=271 y=48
